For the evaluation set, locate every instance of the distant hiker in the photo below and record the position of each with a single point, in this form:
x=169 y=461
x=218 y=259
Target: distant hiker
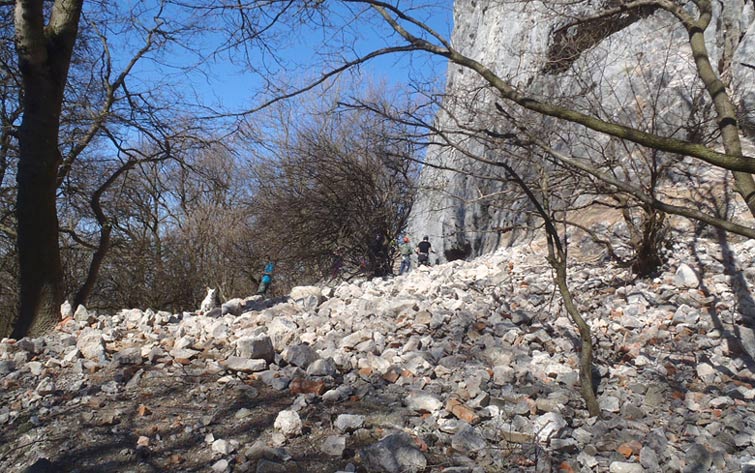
x=424 y=248
x=267 y=278
x=405 y=250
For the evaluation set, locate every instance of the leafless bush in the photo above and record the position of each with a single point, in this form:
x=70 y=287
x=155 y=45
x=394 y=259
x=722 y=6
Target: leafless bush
x=335 y=194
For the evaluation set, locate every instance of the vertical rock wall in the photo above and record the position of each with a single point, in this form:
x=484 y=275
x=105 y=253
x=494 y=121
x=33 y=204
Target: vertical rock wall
x=469 y=214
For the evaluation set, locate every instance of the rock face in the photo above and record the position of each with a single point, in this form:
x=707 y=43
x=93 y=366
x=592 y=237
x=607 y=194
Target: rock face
x=526 y=44
x=441 y=369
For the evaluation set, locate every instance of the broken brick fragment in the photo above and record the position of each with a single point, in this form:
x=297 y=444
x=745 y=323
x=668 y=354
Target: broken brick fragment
x=462 y=412
x=306 y=386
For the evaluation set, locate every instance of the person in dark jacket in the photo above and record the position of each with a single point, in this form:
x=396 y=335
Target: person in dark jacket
x=424 y=248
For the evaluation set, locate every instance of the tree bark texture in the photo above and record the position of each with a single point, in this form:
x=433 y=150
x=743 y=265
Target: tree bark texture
x=44 y=56
x=725 y=110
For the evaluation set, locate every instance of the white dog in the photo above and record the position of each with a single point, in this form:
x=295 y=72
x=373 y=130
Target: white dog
x=210 y=301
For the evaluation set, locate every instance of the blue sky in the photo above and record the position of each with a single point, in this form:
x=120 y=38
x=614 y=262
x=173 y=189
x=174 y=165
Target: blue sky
x=225 y=81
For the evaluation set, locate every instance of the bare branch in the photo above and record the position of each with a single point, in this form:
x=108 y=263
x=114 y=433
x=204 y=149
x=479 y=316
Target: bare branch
x=647 y=199
x=509 y=92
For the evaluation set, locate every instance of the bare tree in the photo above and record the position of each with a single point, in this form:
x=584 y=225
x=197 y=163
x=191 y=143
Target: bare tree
x=43 y=165
x=547 y=201
x=335 y=193
x=44 y=45
x=732 y=159
x=51 y=142
x=171 y=224
x=513 y=154
x=65 y=125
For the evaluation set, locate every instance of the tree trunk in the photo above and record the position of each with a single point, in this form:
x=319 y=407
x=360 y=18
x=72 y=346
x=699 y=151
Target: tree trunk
x=94 y=267
x=725 y=110
x=558 y=260
x=587 y=388
x=44 y=58
x=106 y=230
x=40 y=269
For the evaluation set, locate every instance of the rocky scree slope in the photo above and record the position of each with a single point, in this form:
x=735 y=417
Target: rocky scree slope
x=462 y=367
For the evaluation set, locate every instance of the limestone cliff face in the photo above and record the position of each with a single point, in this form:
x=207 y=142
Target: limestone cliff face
x=635 y=69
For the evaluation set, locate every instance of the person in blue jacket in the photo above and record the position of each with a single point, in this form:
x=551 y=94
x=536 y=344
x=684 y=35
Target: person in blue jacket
x=267 y=278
